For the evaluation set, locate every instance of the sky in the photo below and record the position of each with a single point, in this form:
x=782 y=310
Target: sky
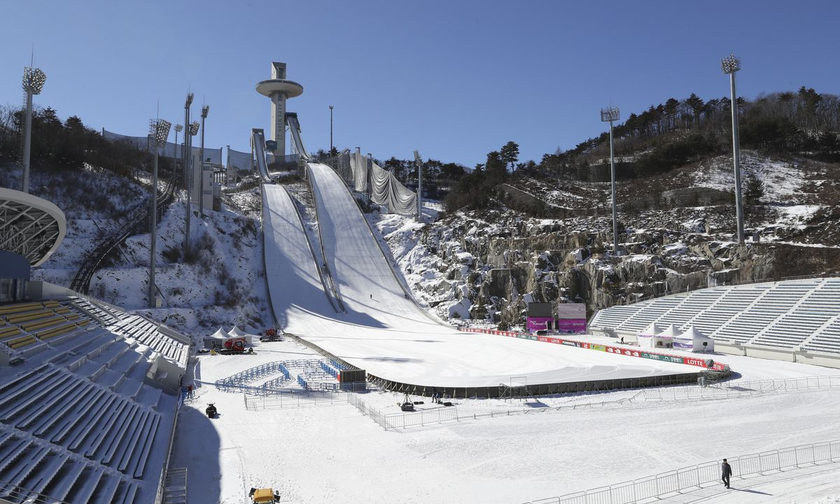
x=452 y=79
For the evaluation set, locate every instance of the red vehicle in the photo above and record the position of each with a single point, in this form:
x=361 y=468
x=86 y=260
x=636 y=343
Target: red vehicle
x=271 y=334
x=234 y=345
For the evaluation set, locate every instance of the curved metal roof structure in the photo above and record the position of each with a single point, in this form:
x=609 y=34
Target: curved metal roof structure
x=30 y=226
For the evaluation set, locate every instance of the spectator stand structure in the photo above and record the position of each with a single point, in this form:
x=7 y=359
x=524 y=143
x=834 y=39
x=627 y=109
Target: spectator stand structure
x=87 y=413
x=309 y=375
x=797 y=320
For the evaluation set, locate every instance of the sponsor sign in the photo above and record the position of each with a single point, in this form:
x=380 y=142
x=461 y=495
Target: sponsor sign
x=540 y=323
x=576 y=326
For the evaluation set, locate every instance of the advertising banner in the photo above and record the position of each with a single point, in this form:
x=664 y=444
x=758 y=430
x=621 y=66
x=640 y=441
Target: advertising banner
x=576 y=326
x=540 y=323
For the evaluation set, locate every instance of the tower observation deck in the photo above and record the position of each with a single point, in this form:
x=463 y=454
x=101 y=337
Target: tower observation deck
x=278 y=89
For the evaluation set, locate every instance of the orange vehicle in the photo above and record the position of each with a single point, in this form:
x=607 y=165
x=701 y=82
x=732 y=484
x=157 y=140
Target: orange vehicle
x=264 y=495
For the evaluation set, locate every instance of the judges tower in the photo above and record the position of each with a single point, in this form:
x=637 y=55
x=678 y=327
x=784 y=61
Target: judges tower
x=278 y=89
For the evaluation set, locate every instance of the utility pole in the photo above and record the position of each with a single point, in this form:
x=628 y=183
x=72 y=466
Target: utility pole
x=419 y=163
x=204 y=111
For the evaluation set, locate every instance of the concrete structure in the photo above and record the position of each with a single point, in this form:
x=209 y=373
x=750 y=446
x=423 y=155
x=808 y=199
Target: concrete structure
x=31 y=227
x=278 y=89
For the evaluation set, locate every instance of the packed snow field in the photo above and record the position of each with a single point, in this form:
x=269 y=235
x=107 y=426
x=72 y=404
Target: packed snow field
x=382 y=329
x=319 y=452
x=529 y=449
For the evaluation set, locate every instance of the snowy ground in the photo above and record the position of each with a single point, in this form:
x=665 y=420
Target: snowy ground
x=530 y=448
x=222 y=285
x=322 y=453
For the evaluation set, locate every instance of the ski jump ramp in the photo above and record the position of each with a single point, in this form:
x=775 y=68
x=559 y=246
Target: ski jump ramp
x=382 y=329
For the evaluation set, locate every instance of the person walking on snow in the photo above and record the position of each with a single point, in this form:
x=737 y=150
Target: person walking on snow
x=725 y=472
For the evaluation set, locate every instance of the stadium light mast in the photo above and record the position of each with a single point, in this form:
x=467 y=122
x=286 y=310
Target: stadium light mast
x=204 y=111
x=178 y=129
x=33 y=83
x=186 y=170
x=730 y=65
x=159 y=132
x=331 y=130
x=610 y=115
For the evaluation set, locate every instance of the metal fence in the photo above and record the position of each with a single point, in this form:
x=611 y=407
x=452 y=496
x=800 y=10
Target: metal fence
x=653 y=395
x=289 y=398
x=233 y=383
x=703 y=475
x=725 y=390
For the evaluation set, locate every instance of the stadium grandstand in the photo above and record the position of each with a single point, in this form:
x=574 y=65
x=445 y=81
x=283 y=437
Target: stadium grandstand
x=797 y=320
x=89 y=394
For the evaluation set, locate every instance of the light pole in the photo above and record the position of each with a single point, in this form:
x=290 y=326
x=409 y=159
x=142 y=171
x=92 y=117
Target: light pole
x=204 y=111
x=331 y=130
x=158 y=131
x=187 y=137
x=610 y=115
x=730 y=65
x=33 y=83
x=178 y=129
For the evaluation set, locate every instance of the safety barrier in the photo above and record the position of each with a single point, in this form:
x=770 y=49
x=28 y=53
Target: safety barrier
x=703 y=475
x=289 y=398
x=628 y=352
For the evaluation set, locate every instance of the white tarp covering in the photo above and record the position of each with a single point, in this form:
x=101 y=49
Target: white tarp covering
x=387 y=190
x=358 y=164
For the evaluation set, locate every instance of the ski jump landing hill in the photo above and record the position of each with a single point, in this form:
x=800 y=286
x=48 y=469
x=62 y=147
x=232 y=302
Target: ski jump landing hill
x=343 y=296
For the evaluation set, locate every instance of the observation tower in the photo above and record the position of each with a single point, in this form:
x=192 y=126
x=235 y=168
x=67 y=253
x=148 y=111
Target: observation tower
x=278 y=89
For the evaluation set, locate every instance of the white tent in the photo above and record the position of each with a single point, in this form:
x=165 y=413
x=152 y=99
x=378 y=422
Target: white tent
x=694 y=340
x=645 y=337
x=239 y=333
x=220 y=334
x=216 y=339
x=661 y=339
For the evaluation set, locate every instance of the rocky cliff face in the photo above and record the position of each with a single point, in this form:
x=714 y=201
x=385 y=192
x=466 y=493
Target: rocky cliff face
x=488 y=266
x=676 y=233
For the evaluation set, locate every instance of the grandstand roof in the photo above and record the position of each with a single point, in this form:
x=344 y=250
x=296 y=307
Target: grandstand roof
x=30 y=226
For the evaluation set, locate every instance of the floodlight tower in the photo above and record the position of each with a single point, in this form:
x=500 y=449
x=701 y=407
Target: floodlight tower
x=331 y=130
x=610 y=115
x=178 y=129
x=730 y=65
x=204 y=111
x=33 y=83
x=278 y=89
x=158 y=131
x=187 y=177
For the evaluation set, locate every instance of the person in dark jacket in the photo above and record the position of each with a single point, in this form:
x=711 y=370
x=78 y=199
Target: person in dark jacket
x=725 y=473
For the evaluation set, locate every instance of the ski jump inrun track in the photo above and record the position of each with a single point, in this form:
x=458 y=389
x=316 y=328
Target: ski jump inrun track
x=353 y=306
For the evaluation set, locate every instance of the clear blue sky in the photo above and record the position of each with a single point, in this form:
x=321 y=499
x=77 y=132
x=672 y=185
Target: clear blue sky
x=453 y=79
